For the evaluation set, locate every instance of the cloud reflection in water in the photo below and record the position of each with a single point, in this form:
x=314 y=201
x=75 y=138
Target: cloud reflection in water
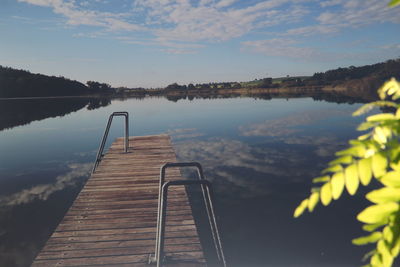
x=249 y=169
x=287 y=125
x=43 y=191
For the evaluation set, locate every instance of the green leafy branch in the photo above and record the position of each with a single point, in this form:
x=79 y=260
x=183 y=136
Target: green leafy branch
x=394 y=3
x=374 y=155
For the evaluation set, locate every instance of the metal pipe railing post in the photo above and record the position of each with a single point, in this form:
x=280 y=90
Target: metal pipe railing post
x=126 y=132
x=210 y=215
x=105 y=135
x=162 y=180
x=161 y=231
x=213 y=218
x=162 y=209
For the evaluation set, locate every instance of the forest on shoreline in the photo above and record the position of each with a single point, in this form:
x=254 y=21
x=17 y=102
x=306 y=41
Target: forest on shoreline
x=20 y=83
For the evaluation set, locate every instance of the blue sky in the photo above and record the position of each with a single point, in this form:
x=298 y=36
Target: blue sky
x=154 y=43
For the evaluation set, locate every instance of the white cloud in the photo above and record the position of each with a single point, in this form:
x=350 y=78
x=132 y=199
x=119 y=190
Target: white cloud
x=391 y=47
x=252 y=171
x=286 y=126
x=44 y=191
x=78 y=16
x=225 y=3
x=331 y=3
x=282 y=47
x=348 y=14
x=170 y=23
x=208 y=22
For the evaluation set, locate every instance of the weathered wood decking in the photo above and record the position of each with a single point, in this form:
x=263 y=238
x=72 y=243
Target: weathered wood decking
x=113 y=220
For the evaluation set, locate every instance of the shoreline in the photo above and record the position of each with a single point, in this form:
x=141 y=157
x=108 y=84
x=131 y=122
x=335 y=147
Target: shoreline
x=342 y=89
x=151 y=92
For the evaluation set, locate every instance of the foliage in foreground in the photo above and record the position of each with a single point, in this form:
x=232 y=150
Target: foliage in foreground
x=374 y=155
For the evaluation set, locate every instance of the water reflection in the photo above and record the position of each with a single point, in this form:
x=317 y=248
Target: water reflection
x=257 y=187
x=44 y=191
x=16 y=112
x=260 y=156
x=289 y=125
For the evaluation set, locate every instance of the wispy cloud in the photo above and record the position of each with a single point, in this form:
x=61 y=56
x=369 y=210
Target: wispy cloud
x=186 y=133
x=174 y=21
x=252 y=171
x=210 y=21
x=44 y=191
x=348 y=14
x=77 y=15
x=282 y=47
x=185 y=26
x=287 y=126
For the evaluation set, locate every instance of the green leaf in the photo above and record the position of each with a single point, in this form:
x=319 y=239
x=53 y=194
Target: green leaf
x=365 y=126
x=367 y=107
x=398 y=112
x=333 y=169
x=315 y=189
x=337 y=183
x=379 y=165
x=372 y=238
x=394 y=3
x=381 y=117
x=321 y=179
x=388 y=234
x=384 y=103
x=395 y=150
x=326 y=194
x=391 y=179
x=357 y=151
x=396 y=248
x=351 y=179
x=364 y=170
x=383 y=249
x=342 y=160
x=363 y=109
x=372 y=227
x=395 y=165
x=383 y=195
x=376 y=260
x=380 y=135
x=300 y=209
x=313 y=201
x=377 y=213
x=363 y=137
x=355 y=142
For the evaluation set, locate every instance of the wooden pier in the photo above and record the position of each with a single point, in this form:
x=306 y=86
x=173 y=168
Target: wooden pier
x=113 y=220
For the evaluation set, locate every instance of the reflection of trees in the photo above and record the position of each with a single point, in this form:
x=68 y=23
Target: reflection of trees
x=318 y=95
x=23 y=111
x=95 y=103
x=338 y=98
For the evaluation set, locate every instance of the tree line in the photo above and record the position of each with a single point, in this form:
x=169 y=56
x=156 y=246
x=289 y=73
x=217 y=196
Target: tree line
x=383 y=71
x=21 y=83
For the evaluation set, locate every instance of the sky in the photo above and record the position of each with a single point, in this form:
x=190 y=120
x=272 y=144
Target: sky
x=153 y=43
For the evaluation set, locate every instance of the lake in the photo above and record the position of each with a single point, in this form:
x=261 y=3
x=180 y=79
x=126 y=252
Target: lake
x=260 y=155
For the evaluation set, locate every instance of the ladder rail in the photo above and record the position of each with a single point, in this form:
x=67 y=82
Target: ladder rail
x=100 y=154
x=208 y=197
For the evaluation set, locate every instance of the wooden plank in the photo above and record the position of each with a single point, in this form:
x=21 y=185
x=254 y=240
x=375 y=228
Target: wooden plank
x=113 y=219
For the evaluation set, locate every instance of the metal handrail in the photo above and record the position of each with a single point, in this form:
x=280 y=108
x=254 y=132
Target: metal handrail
x=103 y=141
x=208 y=197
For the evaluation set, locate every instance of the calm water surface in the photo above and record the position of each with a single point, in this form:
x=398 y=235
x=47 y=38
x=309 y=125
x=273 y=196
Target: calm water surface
x=259 y=154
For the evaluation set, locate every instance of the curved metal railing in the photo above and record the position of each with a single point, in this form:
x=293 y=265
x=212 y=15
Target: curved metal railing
x=208 y=197
x=103 y=141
